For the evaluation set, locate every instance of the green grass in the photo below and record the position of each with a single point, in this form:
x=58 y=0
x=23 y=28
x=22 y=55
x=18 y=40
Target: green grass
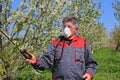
x=109 y=64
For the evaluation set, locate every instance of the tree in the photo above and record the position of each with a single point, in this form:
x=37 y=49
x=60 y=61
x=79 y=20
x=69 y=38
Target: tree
x=116 y=6
x=116 y=32
x=116 y=37
x=39 y=21
x=0 y=27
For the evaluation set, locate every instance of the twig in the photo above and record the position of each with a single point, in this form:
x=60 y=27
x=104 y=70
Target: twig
x=26 y=34
x=19 y=70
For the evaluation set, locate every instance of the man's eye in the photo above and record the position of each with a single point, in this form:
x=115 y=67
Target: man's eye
x=69 y=26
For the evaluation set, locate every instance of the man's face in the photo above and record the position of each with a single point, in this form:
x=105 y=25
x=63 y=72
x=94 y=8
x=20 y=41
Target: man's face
x=72 y=28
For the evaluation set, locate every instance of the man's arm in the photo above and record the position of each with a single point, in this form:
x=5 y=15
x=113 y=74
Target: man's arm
x=90 y=63
x=45 y=61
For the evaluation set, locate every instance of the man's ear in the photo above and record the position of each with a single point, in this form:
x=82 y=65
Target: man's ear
x=76 y=30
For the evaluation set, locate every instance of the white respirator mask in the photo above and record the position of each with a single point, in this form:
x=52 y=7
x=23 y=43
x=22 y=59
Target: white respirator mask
x=67 y=32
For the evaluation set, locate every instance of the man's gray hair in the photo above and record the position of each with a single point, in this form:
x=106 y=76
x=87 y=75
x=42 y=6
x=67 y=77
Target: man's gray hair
x=72 y=19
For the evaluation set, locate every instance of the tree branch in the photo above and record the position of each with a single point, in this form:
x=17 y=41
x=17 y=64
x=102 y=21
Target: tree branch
x=19 y=70
x=26 y=34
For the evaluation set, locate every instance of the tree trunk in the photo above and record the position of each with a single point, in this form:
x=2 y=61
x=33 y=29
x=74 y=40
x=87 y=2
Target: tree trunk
x=117 y=47
x=0 y=27
x=1 y=43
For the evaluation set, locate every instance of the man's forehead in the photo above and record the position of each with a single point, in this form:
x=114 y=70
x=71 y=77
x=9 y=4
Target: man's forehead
x=69 y=23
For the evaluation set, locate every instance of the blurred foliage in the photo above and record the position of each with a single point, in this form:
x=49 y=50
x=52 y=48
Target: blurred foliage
x=116 y=37
x=116 y=34
x=96 y=35
x=116 y=6
x=37 y=22
x=116 y=31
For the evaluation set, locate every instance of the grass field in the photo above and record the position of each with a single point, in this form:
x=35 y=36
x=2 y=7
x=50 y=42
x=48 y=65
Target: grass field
x=109 y=64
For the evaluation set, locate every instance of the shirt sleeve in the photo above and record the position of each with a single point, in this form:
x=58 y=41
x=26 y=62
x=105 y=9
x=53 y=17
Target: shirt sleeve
x=46 y=60
x=90 y=64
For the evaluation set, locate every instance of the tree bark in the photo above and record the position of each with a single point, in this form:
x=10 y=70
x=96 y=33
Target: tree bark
x=1 y=47
x=117 y=47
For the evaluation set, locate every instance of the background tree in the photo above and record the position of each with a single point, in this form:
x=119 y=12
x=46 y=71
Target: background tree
x=36 y=23
x=116 y=37
x=116 y=32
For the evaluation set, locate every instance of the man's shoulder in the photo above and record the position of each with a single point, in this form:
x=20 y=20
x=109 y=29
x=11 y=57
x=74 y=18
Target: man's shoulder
x=81 y=41
x=79 y=38
x=58 y=39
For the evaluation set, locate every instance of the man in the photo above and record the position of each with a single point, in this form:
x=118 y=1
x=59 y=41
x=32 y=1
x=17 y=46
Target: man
x=70 y=56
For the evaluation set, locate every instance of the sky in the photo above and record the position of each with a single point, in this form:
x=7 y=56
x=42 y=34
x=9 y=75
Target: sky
x=107 y=17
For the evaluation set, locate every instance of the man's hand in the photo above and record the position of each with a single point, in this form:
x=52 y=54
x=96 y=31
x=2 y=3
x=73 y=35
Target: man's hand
x=33 y=60
x=87 y=76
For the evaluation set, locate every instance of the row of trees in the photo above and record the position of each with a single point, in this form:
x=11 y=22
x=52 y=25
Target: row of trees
x=39 y=22
x=116 y=31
